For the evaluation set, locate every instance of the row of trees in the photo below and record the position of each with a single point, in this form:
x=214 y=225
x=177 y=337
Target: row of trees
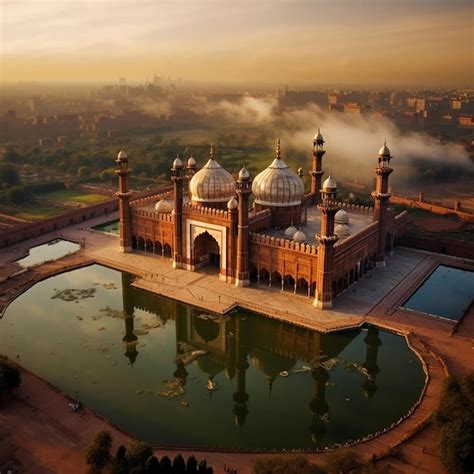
x=455 y=418
x=137 y=458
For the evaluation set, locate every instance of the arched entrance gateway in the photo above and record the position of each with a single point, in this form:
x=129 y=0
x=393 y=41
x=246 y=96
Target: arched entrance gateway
x=206 y=251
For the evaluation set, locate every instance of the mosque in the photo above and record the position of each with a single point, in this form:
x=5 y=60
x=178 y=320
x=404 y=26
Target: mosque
x=265 y=230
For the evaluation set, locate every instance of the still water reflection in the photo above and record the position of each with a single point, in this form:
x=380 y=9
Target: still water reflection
x=172 y=374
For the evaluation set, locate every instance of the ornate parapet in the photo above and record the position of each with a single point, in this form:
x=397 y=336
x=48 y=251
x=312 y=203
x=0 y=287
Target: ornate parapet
x=283 y=243
x=157 y=216
x=193 y=210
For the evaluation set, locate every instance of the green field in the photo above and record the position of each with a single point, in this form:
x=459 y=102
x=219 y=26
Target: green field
x=32 y=212
x=70 y=195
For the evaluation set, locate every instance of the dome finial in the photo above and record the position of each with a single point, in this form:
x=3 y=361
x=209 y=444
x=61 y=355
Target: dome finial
x=278 y=150
x=211 y=151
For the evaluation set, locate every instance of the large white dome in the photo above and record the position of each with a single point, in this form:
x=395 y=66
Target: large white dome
x=212 y=183
x=278 y=185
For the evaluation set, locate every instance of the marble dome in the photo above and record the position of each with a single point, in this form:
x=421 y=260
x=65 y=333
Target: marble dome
x=384 y=151
x=342 y=230
x=278 y=185
x=212 y=183
x=163 y=206
x=291 y=231
x=299 y=236
x=341 y=217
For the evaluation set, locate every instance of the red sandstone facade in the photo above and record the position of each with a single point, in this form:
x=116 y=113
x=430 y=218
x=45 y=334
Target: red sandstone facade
x=234 y=241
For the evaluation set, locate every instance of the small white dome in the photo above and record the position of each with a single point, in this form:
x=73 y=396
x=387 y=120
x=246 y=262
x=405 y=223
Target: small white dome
x=163 y=206
x=341 y=217
x=232 y=204
x=177 y=163
x=330 y=184
x=244 y=173
x=122 y=155
x=291 y=231
x=191 y=162
x=384 y=151
x=299 y=236
x=318 y=137
x=342 y=230
x=300 y=172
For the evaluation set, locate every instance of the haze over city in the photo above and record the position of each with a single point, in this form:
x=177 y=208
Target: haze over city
x=372 y=42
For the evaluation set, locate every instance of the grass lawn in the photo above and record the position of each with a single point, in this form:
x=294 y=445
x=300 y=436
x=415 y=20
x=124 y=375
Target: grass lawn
x=33 y=212
x=71 y=195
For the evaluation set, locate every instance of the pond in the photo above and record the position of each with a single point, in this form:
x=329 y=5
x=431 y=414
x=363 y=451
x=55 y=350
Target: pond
x=53 y=250
x=110 y=227
x=446 y=293
x=171 y=374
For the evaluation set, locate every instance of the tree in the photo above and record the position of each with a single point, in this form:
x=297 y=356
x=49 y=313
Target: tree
x=84 y=172
x=10 y=377
x=152 y=465
x=107 y=175
x=340 y=461
x=455 y=418
x=179 y=466
x=191 y=465
x=202 y=466
x=18 y=195
x=98 y=452
x=8 y=175
x=137 y=453
x=165 y=465
x=285 y=464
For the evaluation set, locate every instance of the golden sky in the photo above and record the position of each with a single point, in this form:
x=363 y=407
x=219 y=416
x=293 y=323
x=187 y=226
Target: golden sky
x=261 y=41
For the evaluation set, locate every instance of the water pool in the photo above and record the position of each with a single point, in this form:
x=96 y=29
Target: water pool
x=446 y=293
x=146 y=363
x=53 y=250
x=110 y=227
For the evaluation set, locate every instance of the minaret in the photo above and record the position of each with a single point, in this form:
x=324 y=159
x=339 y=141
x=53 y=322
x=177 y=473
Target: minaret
x=123 y=193
x=244 y=189
x=327 y=239
x=178 y=179
x=381 y=197
x=373 y=342
x=316 y=171
x=232 y=207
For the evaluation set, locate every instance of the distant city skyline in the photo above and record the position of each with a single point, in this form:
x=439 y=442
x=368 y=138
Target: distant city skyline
x=275 y=42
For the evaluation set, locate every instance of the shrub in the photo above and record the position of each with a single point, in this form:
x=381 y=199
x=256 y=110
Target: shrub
x=137 y=453
x=179 y=466
x=152 y=465
x=340 y=461
x=10 y=377
x=98 y=452
x=165 y=465
x=191 y=465
x=455 y=418
x=285 y=465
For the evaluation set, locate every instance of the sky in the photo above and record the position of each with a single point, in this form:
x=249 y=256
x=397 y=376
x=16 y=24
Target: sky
x=372 y=42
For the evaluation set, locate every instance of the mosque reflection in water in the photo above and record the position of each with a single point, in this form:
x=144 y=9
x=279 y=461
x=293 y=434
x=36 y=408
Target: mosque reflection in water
x=271 y=347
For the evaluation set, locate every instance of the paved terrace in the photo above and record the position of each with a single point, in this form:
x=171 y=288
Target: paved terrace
x=358 y=220
x=205 y=290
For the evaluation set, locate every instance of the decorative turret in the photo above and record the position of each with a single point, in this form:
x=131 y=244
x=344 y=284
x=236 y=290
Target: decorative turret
x=177 y=177
x=327 y=239
x=124 y=194
x=381 y=197
x=316 y=171
x=244 y=189
x=191 y=167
